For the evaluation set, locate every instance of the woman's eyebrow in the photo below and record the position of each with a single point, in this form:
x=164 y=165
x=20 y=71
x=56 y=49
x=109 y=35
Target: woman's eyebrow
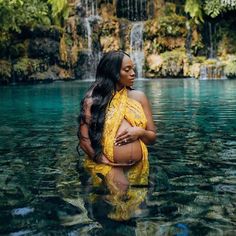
x=129 y=66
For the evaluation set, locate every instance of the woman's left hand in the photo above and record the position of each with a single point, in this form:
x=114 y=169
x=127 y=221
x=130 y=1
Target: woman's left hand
x=129 y=135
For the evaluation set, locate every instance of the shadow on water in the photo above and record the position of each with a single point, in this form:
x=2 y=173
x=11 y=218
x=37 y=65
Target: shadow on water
x=192 y=183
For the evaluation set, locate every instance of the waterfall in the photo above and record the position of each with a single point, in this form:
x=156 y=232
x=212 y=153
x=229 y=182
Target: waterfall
x=203 y=73
x=91 y=7
x=133 y=10
x=136 y=47
x=91 y=14
x=212 y=71
x=136 y=10
x=211 y=54
x=89 y=57
x=188 y=41
x=128 y=10
x=89 y=33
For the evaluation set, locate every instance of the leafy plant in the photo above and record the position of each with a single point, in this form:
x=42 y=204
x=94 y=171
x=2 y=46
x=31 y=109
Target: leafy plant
x=194 y=9
x=59 y=11
x=214 y=8
x=14 y=14
x=197 y=8
x=230 y=68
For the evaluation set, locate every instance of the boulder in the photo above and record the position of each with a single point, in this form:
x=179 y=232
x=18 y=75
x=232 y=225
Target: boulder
x=154 y=62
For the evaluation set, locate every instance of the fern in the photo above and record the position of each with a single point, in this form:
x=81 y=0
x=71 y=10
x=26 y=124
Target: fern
x=193 y=8
x=60 y=10
x=213 y=8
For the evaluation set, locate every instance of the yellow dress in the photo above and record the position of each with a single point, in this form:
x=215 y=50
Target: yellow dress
x=121 y=107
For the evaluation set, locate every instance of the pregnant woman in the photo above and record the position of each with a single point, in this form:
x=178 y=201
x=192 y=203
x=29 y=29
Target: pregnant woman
x=115 y=124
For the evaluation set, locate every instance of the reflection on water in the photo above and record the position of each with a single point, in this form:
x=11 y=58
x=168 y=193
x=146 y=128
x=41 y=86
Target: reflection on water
x=44 y=188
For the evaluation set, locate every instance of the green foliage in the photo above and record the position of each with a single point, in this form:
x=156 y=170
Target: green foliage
x=214 y=8
x=5 y=70
x=172 y=63
x=173 y=25
x=59 y=11
x=17 y=13
x=230 y=68
x=17 y=50
x=170 y=8
x=194 y=9
x=26 y=66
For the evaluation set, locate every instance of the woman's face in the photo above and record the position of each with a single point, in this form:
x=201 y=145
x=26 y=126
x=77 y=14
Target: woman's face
x=127 y=74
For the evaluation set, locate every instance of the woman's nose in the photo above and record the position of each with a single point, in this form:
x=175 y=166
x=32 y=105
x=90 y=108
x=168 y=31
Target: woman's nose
x=132 y=72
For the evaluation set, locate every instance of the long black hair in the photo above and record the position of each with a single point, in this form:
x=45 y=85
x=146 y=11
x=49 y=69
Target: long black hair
x=101 y=93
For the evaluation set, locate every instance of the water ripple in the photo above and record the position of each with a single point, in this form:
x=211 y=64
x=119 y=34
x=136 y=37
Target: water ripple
x=192 y=188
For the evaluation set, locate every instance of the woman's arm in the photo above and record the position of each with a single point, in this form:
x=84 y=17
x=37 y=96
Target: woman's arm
x=148 y=135
x=85 y=142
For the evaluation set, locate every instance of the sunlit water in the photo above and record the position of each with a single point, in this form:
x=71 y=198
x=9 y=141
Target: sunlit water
x=192 y=187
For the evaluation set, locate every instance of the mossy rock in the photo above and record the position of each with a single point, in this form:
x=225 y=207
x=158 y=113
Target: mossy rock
x=24 y=67
x=170 y=65
x=226 y=35
x=197 y=45
x=110 y=27
x=150 y=29
x=199 y=59
x=46 y=77
x=173 y=26
x=230 y=67
x=4 y=49
x=44 y=48
x=195 y=66
x=5 y=71
x=18 y=50
x=170 y=8
x=173 y=63
x=52 y=32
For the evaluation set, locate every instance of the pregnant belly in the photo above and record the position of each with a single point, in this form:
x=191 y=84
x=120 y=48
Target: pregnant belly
x=130 y=152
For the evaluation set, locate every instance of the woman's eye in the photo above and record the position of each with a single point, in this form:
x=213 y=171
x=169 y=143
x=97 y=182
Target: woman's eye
x=128 y=69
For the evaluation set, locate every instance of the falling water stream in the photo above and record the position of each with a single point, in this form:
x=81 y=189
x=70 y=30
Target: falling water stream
x=136 y=47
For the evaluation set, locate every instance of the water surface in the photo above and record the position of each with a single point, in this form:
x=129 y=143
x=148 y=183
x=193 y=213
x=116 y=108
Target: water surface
x=192 y=188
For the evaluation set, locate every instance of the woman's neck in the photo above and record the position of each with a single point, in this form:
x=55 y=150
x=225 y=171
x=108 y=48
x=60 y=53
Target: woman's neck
x=119 y=87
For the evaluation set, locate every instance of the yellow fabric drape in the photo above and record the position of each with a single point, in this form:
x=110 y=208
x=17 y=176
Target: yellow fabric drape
x=121 y=107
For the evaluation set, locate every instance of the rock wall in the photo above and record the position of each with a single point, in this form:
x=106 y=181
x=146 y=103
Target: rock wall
x=173 y=46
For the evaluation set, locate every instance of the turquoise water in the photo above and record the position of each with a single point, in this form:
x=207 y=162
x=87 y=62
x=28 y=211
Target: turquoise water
x=192 y=188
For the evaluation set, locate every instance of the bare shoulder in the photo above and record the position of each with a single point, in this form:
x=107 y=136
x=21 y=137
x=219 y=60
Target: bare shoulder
x=138 y=96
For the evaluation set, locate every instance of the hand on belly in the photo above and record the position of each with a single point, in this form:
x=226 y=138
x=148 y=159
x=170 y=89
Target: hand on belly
x=128 y=152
